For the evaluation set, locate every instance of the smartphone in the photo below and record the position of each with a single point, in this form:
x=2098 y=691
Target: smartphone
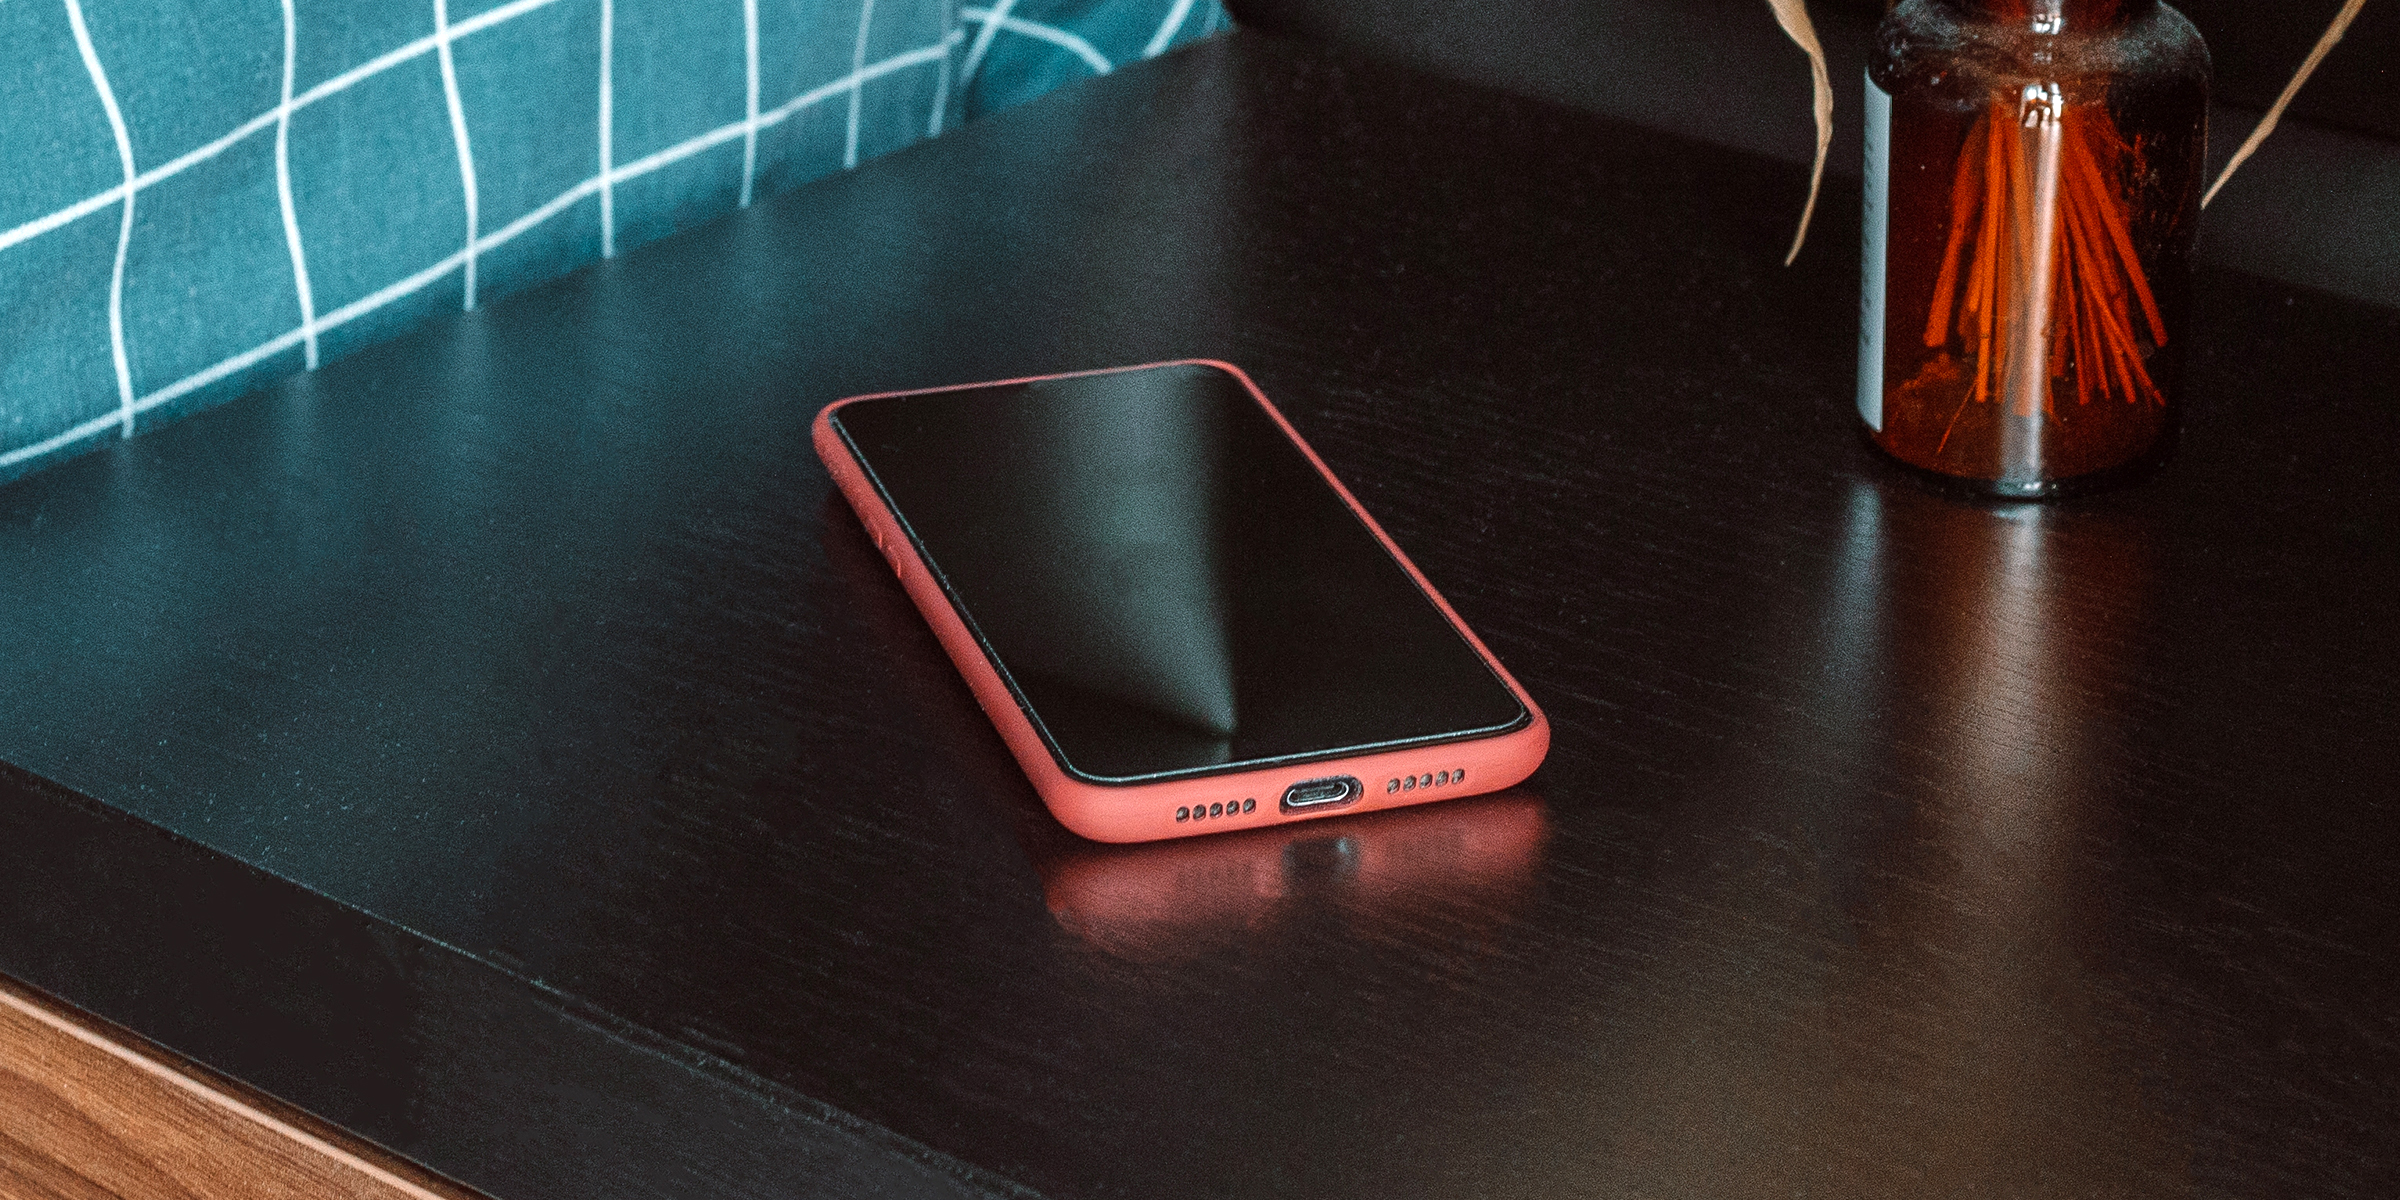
x=1178 y=619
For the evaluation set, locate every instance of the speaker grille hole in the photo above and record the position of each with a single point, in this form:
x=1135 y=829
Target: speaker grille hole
x=1216 y=808
x=1431 y=779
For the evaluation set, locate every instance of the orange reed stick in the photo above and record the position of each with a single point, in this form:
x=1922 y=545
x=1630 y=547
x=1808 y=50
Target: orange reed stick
x=1962 y=209
x=2098 y=283
x=2102 y=199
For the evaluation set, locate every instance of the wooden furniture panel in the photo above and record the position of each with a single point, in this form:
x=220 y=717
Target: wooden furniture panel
x=90 y=1113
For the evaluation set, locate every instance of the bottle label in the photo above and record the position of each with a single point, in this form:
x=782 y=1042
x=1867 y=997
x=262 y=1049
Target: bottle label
x=1871 y=282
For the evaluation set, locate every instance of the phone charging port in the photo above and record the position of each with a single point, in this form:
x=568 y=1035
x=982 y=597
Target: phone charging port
x=1330 y=792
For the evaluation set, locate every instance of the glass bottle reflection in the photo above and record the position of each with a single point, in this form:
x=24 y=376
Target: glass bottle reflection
x=2010 y=638
x=1880 y=974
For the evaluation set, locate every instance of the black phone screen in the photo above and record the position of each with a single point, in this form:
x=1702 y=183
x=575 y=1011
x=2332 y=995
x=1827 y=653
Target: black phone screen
x=1166 y=582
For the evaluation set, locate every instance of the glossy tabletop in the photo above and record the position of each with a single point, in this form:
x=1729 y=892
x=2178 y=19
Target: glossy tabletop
x=503 y=744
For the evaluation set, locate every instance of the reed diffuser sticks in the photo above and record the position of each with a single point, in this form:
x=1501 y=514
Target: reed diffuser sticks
x=2040 y=283
x=2033 y=187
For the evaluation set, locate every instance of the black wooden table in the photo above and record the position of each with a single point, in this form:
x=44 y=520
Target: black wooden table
x=502 y=744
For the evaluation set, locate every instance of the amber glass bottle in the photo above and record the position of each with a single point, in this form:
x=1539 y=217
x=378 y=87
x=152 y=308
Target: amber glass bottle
x=2033 y=182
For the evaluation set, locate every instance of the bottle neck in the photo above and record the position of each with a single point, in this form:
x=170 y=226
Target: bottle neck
x=2058 y=16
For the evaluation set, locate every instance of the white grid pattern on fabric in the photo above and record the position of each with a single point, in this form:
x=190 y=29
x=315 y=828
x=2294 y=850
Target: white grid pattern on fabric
x=313 y=324
x=608 y=136
x=334 y=86
x=458 y=133
x=941 y=97
x=858 y=58
x=1167 y=29
x=283 y=189
x=997 y=18
x=116 y=279
x=993 y=20
x=750 y=97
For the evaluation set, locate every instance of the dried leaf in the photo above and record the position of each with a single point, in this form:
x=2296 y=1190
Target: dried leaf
x=2266 y=125
x=1793 y=16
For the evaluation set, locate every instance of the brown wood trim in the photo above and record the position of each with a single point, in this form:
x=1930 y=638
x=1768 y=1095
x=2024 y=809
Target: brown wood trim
x=89 y=1111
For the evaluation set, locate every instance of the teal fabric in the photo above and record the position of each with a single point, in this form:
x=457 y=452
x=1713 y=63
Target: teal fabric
x=311 y=176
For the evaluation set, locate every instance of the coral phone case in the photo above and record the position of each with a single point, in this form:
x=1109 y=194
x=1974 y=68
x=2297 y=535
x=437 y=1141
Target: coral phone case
x=1234 y=796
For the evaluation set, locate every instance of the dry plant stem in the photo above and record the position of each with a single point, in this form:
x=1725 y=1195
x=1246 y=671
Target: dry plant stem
x=2266 y=124
x=1792 y=15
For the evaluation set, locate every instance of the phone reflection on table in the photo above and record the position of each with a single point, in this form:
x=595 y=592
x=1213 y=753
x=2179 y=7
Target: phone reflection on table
x=1476 y=857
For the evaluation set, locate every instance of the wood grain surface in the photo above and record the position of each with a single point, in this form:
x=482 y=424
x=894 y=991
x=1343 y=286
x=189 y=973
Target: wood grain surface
x=88 y=1113
x=502 y=743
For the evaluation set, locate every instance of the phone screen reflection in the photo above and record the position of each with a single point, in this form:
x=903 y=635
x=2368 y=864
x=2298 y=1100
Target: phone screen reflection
x=1166 y=580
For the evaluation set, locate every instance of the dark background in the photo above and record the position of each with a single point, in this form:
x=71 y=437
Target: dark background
x=2258 y=46
x=2319 y=205
x=1555 y=47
